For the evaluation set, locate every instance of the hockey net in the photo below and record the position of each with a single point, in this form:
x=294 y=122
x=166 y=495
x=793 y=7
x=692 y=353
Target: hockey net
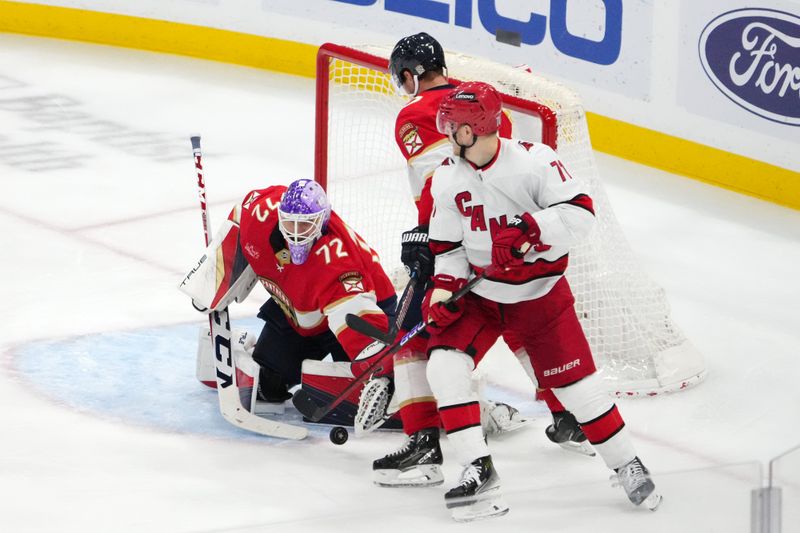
x=625 y=315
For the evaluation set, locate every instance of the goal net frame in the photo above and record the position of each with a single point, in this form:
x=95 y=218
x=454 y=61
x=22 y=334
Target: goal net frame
x=626 y=317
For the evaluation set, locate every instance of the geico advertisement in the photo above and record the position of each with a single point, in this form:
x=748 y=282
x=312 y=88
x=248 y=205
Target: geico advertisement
x=602 y=43
x=743 y=64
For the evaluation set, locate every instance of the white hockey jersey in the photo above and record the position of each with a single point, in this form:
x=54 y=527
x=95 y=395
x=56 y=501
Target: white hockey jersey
x=472 y=204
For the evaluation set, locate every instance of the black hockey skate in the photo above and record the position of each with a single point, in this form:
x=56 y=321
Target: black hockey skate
x=638 y=485
x=567 y=433
x=416 y=464
x=271 y=393
x=478 y=494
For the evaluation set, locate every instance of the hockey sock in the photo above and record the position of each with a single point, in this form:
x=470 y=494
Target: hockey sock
x=600 y=419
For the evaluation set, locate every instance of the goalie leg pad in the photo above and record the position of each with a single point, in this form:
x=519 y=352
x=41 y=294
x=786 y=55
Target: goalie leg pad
x=325 y=380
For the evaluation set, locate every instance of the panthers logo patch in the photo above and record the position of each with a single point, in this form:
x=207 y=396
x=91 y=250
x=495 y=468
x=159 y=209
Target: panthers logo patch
x=352 y=282
x=411 y=139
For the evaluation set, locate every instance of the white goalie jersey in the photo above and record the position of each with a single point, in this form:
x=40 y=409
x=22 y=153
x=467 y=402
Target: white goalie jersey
x=472 y=204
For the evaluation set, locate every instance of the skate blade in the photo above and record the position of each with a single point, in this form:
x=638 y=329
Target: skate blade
x=581 y=448
x=653 y=501
x=487 y=495
x=480 y=510
x=419 y=476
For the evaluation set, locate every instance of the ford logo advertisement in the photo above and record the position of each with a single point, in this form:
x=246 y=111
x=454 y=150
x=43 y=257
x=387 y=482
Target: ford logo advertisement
x=753 y=57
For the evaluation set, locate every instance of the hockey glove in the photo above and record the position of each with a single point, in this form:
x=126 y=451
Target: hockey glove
x=367 y=357
x=512 y=242
x=435 y=312
x=415 y=250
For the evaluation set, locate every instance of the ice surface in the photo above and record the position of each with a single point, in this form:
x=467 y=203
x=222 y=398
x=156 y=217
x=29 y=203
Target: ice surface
x=105 y=429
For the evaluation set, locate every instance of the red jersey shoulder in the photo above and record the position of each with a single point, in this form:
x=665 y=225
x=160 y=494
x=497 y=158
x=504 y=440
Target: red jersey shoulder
x=344 y=245
x=415 y=128
x=260 y=203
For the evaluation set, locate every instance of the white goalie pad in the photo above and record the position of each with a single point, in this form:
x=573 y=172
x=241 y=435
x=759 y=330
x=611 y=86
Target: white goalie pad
x=242 y=344
x=222 y=275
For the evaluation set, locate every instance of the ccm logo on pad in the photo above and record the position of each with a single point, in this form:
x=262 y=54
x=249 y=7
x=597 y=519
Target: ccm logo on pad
x=562 y=368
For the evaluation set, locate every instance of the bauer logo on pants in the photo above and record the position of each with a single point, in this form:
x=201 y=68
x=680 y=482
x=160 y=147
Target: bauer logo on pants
x=562 y=368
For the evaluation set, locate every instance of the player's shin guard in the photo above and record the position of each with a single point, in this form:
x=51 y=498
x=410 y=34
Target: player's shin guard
x=449 y=375
x=600 y=419
x=412 y=392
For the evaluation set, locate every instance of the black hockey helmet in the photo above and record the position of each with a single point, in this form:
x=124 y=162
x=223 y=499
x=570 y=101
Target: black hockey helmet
x=418 y=54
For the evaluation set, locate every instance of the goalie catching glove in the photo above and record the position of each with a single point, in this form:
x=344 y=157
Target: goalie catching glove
x=437 y=314
x=512 y=242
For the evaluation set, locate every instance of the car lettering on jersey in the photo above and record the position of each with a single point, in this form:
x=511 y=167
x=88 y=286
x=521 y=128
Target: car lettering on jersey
x=280 y=298
x=476 y=214
x=352 y=281
x=563 y=368
x=410 y=136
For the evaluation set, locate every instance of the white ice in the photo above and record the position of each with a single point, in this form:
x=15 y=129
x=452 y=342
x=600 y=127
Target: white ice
x=104 y=428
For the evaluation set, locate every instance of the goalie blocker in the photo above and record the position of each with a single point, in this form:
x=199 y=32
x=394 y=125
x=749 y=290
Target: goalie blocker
x=322 y=380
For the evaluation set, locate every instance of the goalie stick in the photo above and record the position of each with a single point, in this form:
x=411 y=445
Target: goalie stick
x=314 y=412
x=230 y=402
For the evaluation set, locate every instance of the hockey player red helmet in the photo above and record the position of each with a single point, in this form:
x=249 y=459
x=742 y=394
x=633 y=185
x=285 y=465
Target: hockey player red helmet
x=475 y=103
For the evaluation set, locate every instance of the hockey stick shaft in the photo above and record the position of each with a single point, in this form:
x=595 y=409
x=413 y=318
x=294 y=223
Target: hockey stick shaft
x=201 y=184
x=312 y=410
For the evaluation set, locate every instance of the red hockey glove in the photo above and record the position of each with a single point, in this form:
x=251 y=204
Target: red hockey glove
x=438 y=315
x=512 y=242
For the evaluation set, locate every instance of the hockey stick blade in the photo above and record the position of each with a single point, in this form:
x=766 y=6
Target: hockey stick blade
x=313 y=411
x=359 y=325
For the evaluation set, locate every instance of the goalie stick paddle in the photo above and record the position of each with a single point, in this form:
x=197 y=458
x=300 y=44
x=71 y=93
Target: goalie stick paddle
x=228 y=392
x=359 y=325
x=314 y=412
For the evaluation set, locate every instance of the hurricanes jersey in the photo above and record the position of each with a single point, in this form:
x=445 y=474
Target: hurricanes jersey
x=472 y=204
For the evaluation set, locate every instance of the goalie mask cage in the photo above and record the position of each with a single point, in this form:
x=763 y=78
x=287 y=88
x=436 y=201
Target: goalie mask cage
x=626 y=317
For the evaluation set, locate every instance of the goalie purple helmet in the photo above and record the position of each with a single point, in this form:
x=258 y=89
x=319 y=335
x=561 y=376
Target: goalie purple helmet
x=303 y=215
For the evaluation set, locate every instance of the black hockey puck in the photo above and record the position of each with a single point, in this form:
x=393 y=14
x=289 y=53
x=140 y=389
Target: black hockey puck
x=339 y=435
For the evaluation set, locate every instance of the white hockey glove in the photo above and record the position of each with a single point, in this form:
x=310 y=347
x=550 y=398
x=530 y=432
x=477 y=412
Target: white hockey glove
x=499 y=418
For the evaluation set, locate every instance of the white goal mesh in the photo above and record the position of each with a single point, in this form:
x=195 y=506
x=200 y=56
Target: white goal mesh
x=626 y=316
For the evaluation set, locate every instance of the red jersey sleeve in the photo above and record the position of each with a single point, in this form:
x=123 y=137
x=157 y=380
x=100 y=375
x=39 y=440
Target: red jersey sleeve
x=355 y=283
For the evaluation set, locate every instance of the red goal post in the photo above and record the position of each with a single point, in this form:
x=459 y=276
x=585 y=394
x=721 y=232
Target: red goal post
x=625 y=315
